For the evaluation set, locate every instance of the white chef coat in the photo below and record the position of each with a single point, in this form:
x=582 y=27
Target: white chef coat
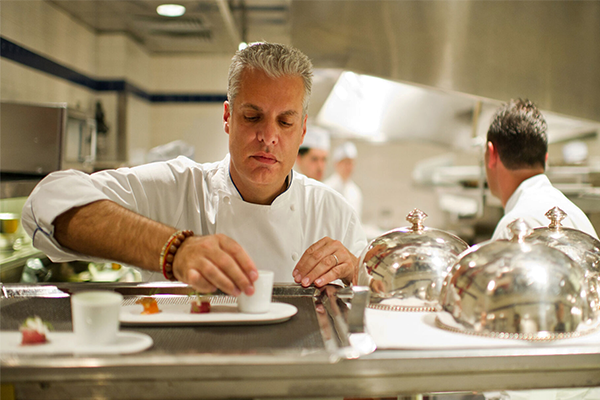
x=203 y=198
x=532 y=199
x=348 y=189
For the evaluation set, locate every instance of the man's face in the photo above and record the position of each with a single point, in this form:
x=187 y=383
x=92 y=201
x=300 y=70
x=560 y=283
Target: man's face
x=265 y=128
x=313 y=163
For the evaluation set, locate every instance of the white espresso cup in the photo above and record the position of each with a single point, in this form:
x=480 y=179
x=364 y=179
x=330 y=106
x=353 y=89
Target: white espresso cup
x=260 y=301
x=95 y=317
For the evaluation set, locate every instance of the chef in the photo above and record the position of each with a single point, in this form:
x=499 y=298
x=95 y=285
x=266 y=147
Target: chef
x=515 y=158
x=344 y=156
x=312 y=155
x=213 y=225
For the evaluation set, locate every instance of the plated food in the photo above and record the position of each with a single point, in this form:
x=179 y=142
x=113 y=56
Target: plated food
x=200 y=304
x=34 y=331
x=150 y=305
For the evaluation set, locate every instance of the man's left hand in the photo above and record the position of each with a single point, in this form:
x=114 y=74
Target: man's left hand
x=324 y=262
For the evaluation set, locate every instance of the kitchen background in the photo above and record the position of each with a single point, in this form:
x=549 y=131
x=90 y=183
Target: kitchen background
x=448 y=65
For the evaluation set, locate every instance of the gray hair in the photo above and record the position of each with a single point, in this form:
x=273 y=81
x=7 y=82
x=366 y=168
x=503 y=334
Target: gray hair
x=275 y=60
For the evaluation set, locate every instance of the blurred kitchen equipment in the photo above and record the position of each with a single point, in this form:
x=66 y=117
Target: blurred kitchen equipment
x=518 y=290
x=41 y=138
x=9 y=225
x=409 y=265
x=34 y=271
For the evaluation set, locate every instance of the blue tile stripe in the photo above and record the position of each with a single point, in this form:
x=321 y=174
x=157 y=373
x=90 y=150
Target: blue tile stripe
x=21 y=55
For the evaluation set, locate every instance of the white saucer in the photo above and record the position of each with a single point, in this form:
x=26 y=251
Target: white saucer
x=179 y=314
x=64 y=343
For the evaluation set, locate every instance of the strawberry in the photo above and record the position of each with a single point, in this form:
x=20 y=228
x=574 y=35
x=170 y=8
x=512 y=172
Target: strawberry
x=34 y=331
x=200 y=306
x=31 y=336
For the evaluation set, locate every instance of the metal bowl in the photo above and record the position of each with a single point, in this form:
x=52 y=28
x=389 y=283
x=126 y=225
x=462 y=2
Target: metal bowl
x=409 y=264
x=518 y=290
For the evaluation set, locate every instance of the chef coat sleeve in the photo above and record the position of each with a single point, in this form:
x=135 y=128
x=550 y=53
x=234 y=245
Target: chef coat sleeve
x=150 y=190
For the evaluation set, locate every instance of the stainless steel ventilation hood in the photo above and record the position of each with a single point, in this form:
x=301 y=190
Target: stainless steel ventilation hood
x=547 y=51
x=381 y=110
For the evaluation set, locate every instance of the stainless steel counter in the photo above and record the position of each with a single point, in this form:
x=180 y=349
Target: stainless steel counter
x=309 y=364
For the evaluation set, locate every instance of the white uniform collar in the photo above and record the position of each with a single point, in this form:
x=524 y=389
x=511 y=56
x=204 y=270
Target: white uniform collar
x=529 y=183
x=234 y=190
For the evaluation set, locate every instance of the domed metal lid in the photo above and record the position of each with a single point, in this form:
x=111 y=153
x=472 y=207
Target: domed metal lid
x=518 y=290
x=581 y=247
x=409 y=264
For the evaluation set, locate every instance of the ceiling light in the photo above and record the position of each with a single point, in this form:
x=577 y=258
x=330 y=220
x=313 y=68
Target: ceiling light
x=170 y=10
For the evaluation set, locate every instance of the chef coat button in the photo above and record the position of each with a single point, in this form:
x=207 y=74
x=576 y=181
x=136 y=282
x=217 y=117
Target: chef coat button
x=292 y=207
x=295 y=256
x=227 y=200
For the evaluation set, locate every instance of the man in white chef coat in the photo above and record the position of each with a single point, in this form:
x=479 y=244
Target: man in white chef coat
x=247 y=211
x=344 y=157
x=515 y=159
x=312 y=155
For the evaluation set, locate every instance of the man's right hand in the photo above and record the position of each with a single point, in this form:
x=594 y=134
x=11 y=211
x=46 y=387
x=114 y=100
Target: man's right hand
x=208 y=263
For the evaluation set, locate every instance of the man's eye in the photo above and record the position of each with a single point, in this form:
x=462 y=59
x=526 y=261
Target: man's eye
x=251 y=118
x=285 y=123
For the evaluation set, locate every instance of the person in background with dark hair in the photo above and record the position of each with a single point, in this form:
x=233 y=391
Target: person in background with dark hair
x=515 y=159
x=312 y=155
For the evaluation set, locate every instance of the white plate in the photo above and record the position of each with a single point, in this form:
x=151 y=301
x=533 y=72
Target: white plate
x=179 y=314
x=64 y=343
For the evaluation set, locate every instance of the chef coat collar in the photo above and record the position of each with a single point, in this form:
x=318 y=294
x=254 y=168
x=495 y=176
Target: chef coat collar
x=539 y=180
x=288 y=180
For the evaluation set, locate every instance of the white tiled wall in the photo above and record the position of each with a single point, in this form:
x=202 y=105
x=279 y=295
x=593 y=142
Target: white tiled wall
x=187 y=74
x=46 y=30
x=199 y=125
x=24 y=84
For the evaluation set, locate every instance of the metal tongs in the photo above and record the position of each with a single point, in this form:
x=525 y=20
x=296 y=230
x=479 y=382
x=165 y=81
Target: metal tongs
x=354 y=339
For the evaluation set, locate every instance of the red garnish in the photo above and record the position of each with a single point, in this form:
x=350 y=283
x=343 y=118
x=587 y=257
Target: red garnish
x=202 y=307
x=31 y=336
x=150 y=305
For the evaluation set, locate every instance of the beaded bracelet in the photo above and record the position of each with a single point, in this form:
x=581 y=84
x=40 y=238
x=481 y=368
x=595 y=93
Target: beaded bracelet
x=167 y=255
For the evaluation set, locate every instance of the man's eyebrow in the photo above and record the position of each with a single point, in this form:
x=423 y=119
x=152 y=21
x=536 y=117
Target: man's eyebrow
x=290 y=113
x=252 y=106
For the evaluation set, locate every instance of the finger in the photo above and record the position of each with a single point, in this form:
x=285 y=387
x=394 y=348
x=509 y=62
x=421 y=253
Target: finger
x=328 y=263
x=216 y=276
x=240 y=256
x=197 y=281
x=323 y=262
x=227 y=273
x=311 y=257
x=331 y=275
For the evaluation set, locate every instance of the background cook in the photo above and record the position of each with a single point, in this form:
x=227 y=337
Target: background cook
x=247 y=211
x=515 y=160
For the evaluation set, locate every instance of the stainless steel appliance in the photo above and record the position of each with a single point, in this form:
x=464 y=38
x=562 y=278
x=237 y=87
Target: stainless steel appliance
x=40 y=138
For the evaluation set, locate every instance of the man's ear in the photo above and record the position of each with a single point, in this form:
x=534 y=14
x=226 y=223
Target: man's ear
x=226 y=116
x=491 y=155
x=304 y=128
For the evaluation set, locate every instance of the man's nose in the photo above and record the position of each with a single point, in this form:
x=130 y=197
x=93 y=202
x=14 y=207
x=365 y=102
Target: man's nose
x=268 y=132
